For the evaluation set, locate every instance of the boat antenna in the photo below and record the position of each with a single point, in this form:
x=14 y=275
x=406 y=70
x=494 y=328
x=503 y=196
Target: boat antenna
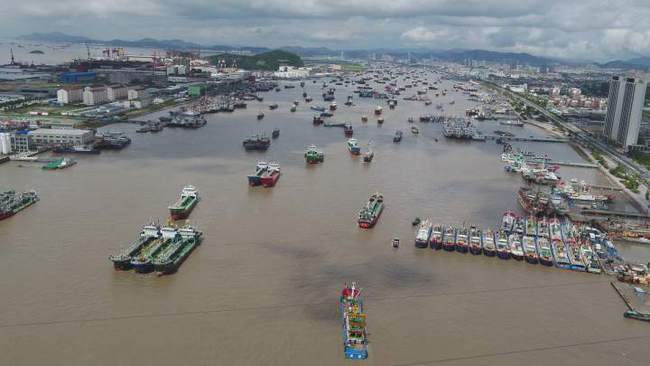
x=13 y=61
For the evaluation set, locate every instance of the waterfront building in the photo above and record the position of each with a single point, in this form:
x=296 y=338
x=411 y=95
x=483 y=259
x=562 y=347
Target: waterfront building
x=5 y=143
x=21 y=141
x=290 y=72
x=624 y=108
x=95 y=95
x=52 y=136
x=69 y=95
x=116 y=92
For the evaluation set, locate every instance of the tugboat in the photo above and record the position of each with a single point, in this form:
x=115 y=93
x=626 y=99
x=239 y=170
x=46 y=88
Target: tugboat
x=353 y=147
x=185 y=204
x=370 y=213
x=355 y=342
x=462 y=240
x=423 y=234
x=256 y=179
x=313 y=155
x=257 y=142
x=489 y=248
x=436 y=237
x=347 y=130
x=398 y=137
x=61 y=163
x=449 y=239
x=475 y=236
x=276 y=133
x=270 y=177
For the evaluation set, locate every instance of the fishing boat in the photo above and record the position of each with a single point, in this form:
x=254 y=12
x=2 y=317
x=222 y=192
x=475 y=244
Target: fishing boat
x=185 y=204
x=122 y=261
x=449 y=239
x=475 y=236
x=380 y=120
x=256 y=179
x=353 y=147
x=270 y=177
x=355 y=342
x=559 y=249
x=516 y=249
x=436 y=237
x=502 y=245
x=347 y=130
x=530 y=249
x=590 y=259
x=462 y=240
x=489 y=248
x=273 y=106
x=544 y=250
x=333 y=106
x=317 y=120
x=398 y=136
x=313 y=155
x=531 y=226
x=364 y=118
x=368 y=155
x=260 y=115
x=423 y=234
x=317 y=108
x=415 y=130
x=508 y=221
x=276 y=133
x=370 y=213
x=173 y=255
x=378 y=110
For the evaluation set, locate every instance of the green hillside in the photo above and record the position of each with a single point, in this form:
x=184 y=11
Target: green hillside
x=267 y=61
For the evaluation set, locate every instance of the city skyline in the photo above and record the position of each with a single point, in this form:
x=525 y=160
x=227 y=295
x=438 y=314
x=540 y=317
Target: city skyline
x=549 y=28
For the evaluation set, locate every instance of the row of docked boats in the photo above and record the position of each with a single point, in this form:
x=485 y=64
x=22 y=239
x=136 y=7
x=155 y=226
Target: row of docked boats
x=550 y=242
x=163 y=248
x=266 y=174
x=159 y=249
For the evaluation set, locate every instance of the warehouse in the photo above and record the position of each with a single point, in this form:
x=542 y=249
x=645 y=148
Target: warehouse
x=52 y=136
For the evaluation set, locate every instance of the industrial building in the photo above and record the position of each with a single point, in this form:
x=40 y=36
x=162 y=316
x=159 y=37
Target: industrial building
x=69 y=95
x=21 y=141
x=624 y=108
x=77 y=77
x=95 y=95
x=116 y=92
x=48 y=136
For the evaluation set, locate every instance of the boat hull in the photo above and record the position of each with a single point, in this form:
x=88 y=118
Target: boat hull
x=502 y=254
x=436 y=244
x=476 y=250
x=489 y=252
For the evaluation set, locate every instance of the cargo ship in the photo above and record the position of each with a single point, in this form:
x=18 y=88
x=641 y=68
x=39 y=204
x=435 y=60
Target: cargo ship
x=370 y=213
x=257 y=142
x=256 y=179
x=489 y=248
x=353 y=147
x=462 y=240
x=270 y=177
x=436 y=237
x=61 y=163
x=11 y=202
x=545 y=251
x=313 y=155
x=475 y=236
x=530 y=250
x=355 y=342
x=185 y=240
x=185 y=204
x=423 y=234
x=449 y=239
x=142 y=262
x=122 y=261
x=503 y=247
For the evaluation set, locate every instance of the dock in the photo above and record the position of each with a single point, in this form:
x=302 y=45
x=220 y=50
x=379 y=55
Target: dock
x=572 y=164
x=611 y=213
x=636 y=302
x=4 y=159
x=527 y=139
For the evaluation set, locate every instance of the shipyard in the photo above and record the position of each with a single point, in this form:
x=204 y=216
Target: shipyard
x=362 y=206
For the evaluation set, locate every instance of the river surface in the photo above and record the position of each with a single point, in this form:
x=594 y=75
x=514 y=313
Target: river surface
x=263 y=288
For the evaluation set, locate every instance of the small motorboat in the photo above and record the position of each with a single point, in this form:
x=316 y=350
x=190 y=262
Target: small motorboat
x=395 y=242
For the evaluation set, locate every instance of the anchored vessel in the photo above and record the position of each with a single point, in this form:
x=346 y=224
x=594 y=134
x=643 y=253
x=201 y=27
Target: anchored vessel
x=185 y=204
x=449 y=239
x=436 y=237
x=489 y=248
x=257 y=142
x=270 y=177
x=353 y=147
x=370 y=213
x=462 y=240
x=122 y=261
x=185 y=241
x=423 y=234
x=355 y=342
x=256 y=179
x=475 y=240
x=61 y=163
x=313 y=155
x=11 y=202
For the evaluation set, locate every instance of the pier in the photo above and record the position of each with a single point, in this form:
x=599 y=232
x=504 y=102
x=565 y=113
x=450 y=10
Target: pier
x=572 y=164
x=610 y=213
x=527 y=139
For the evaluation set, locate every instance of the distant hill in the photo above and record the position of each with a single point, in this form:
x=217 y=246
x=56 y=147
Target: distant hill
x=639 y=63
x=266 y=61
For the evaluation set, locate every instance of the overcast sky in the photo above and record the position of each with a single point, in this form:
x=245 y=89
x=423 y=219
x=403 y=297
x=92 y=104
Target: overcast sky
x=586 y=29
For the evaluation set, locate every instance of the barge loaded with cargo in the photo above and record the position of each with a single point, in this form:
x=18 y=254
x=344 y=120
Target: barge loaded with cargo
x=12 y=202
x=185 y=204
x=370 y=213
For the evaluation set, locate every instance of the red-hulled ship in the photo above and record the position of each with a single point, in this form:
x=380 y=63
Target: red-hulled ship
x=271 y=176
